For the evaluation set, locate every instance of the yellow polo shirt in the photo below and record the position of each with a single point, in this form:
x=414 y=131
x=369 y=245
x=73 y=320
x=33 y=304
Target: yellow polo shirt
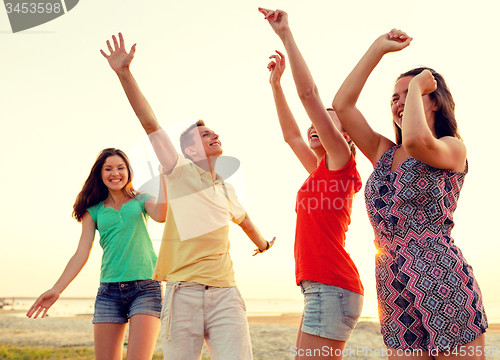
x=195 y=243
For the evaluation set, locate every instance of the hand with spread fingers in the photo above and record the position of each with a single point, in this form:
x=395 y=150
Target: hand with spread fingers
x=269 y=245
x=119 y=58
x=43 y=304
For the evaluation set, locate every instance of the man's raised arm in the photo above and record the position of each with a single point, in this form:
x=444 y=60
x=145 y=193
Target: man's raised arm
x=120 y=61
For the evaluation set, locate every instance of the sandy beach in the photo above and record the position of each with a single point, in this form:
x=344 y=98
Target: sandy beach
x=272 y=336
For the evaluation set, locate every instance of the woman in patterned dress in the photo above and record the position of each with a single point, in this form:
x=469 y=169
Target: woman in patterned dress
x=429 y=300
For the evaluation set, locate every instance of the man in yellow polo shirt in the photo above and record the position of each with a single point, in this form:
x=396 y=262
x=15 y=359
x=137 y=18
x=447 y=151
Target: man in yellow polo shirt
x=201 y=300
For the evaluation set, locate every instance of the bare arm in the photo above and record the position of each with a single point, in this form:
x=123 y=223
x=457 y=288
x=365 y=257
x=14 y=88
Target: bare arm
x=331 y=138
x=120 y=61
x=73 y=268
x=418 y=140
x=157 y=209
x=289 y=127
x=254 y=234
x=371 y=143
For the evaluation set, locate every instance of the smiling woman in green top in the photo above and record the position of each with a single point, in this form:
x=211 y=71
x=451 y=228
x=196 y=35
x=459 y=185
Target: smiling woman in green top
x=109 y=203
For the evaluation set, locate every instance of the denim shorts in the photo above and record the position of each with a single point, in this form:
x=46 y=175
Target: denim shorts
x=329 y=311
x=119 y=301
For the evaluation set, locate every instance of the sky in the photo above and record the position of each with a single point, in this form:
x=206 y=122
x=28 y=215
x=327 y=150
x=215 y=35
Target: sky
x=60 y=104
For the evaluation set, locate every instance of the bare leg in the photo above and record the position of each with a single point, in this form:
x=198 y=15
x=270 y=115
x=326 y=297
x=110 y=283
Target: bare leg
x=299 y=333
x=143 y=333
x=314 y=347
x=108 y=340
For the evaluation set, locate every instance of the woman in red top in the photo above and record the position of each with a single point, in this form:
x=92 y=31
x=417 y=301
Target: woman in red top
x=333 y=293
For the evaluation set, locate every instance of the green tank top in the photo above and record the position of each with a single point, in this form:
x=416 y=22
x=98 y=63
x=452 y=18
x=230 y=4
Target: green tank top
x=127 y=249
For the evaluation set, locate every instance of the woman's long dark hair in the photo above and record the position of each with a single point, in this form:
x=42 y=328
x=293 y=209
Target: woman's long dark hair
x=445 y=123
x=94 y=191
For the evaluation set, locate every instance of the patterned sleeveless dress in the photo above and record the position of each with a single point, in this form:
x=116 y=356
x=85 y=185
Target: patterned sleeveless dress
x=427 y=294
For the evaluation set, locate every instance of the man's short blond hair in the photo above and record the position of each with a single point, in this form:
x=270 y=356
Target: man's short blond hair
x=187 y=138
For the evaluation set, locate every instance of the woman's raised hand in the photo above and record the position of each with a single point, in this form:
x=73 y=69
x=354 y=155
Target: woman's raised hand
x=394 y=40
x=278 y=19
x=118 y=58
x=276 y=66
x=425 y=82
x=43 y=303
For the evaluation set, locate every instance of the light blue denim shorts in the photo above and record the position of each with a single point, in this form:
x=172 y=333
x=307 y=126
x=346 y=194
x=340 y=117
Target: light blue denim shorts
x=118 y=301
x=329 y=311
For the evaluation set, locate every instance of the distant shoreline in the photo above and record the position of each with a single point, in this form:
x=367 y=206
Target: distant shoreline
x=283 y=319
x=36 y=297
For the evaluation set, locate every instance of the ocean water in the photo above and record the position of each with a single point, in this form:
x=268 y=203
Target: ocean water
x=64 y=307
x=70 y=307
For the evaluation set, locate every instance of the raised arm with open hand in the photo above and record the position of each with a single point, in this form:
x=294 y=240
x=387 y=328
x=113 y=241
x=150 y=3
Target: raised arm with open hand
x=371 y=143
x=120 y=61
